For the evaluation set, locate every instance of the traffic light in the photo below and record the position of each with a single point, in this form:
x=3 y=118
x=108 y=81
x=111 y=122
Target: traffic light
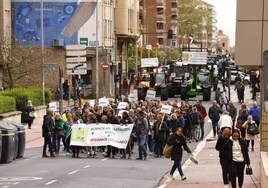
x=170 y=34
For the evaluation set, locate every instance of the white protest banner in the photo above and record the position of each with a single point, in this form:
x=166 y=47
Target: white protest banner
x=150 y=94
x=103 y=102
x=80 y=135
x=109 y=134
x=122 y=105
x=52 y=106
x=166 y=109
x=132 y=97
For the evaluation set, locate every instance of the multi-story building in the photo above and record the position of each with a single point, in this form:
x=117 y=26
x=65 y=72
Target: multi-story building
x=104 y=26
x=164 y=16
x=157 y=17
x=223 y=41
x=5 y=31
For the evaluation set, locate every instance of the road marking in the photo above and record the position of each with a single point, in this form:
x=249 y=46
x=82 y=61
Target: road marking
x=50 y=182
x=16 y=183
x=104 y=159
x=86 y=166
x=6 y=186
x=15 y=179
x=73 y=172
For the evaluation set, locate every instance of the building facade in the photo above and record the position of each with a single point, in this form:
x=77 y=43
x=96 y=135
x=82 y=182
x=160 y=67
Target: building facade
x=105 y=27
x=164 y=18
x=5 y=31
x=223 y=41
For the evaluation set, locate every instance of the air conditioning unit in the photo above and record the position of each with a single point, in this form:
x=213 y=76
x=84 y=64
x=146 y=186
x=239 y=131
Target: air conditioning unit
x=58 y=42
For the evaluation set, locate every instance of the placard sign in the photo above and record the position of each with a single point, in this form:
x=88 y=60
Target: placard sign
x=91 y=103
x=103 y=102
x=53 y=106
x=132 y=97
x=122 y=105
x=150 y=94
x=166 y=109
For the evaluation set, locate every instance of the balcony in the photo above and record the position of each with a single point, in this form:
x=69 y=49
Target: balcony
x=160 y=16
x=174 y=10
x=174 y=21
x=159 y=30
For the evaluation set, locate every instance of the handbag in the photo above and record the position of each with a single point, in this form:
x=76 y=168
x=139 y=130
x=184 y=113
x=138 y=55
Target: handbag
x=249 y=170
x=239 y=124
x=167 y=150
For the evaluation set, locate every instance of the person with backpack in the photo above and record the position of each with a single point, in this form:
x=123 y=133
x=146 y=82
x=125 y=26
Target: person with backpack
x=250 y=135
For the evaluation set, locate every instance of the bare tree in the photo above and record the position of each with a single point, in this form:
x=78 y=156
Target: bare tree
x=18 y=62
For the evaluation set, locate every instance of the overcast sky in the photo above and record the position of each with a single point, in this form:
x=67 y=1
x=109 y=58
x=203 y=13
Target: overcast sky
x=226 y=17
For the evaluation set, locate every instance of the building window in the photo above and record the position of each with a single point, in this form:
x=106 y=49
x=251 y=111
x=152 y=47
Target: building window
x=173 y=43
x=223 y=44
x=160 y=41
x=160 y=25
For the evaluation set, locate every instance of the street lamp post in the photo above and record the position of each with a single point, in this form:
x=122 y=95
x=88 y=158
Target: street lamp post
x=97 y=52
x=42 y=53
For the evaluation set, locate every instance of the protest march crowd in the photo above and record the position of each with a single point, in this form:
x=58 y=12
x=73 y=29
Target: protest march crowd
x=152 y=124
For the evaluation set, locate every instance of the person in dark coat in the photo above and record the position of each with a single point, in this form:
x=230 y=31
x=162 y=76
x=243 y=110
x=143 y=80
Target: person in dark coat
x=159 y=135
x=29 y=113
x=178 y=141
x=126 y=119
x=112 y=119
x=214 y=115
x=48 y=124
x=225 y=135
x=235 y=151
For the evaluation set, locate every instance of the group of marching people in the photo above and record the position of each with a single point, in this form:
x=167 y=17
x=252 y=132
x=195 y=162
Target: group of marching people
x=150 y=132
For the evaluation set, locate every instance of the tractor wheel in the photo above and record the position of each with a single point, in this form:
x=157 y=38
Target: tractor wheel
x=206 y=94
x=171 y=92
x=184 y=94
x=215 y=84
x=164 y=93
x=141 y=94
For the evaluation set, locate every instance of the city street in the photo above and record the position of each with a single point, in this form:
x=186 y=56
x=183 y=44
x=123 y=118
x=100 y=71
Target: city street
x=64 y=171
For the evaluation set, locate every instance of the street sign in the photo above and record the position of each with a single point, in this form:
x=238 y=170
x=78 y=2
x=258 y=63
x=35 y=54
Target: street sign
x=76 y=59
x=84 y=41
x=195 y=58
x=149 y=62
x=75 y=47
x=76 y=53
x=72 y=65
x=149 y=47
x=105 y=66
x=77 y=72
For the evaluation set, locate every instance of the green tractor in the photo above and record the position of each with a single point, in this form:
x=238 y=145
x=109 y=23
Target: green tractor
x=201 y=77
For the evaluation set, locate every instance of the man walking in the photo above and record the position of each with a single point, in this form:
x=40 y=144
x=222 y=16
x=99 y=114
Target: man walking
x=214 y=115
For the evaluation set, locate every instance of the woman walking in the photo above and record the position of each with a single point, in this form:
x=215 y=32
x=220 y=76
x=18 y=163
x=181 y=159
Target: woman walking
x=249 y=137
x=225 y=135
x=178 y=141
x=29 y=113
x=236 y=152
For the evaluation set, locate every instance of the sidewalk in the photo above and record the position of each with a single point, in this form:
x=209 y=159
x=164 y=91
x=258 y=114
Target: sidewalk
x=34 y=135
x=207 y=174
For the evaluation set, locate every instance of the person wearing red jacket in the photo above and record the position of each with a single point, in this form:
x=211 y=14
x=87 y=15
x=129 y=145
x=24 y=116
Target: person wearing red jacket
x=202 y=110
